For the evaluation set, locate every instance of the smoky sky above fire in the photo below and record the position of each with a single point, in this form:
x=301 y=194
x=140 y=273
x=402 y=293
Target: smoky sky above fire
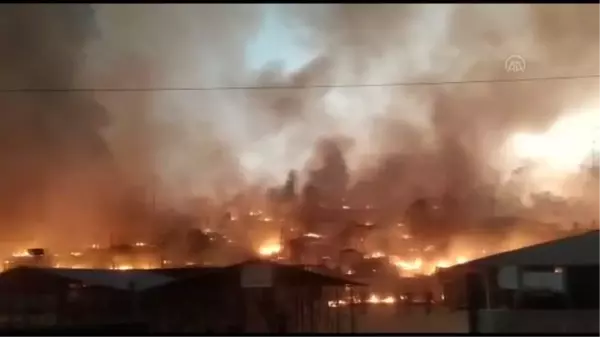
x=74 y=158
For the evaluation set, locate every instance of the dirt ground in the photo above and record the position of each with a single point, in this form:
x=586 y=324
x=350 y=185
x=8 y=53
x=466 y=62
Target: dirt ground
x=386 y=319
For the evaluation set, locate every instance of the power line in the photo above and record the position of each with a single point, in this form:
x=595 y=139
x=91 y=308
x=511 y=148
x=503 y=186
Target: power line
x=301 y=87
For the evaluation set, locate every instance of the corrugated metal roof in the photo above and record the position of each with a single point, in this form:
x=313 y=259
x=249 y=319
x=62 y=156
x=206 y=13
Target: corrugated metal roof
x=296 y=275
x=571 y=251
x=137 y=280
x=187 y=272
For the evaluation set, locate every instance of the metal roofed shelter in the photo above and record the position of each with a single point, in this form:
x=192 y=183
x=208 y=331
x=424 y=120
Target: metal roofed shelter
x=578 y=250
x=136 y=280
x=33 y=297
x=255 y=296
x=185 y=272
x=545 y=288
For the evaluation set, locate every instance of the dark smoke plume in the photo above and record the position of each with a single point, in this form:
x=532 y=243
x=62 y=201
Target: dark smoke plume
x=68 y=165
x=56 y=172
x=452 y=158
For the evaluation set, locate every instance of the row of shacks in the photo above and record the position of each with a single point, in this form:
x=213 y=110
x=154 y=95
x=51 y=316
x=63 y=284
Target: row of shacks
x=255 y=296
x=551 y=287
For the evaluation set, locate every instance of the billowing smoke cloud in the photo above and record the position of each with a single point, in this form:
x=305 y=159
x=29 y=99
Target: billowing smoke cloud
x=449 y=142
x=383 y=146
x=53 y=161
x=394 y=144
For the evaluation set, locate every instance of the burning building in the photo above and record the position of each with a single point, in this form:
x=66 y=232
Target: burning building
x=34 y=257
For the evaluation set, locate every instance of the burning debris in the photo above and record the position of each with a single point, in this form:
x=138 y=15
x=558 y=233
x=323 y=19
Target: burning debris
x=373 y=299
x=296 y=180
x=270 y=249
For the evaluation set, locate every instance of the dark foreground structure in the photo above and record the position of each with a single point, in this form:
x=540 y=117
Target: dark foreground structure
x=546 y=288
x=256 y=296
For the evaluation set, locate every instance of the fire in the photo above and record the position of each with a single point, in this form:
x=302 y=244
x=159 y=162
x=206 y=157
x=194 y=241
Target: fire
x=414 y=265
x=376 y=299
x=461 y=260
x=22 y=253
x=373 y=299
x=270 y=248
x=123 y=267
x=443 y=264
x=375 y=255
x=419 y=266
x=313 y=235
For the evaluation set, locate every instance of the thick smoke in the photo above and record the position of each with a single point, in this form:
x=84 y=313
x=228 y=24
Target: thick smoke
x=447 y=142
x=81 y=161
x=392 y=145
x=53 y=161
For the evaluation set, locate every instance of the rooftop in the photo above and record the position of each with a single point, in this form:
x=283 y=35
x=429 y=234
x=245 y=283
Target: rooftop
x=137 y=280
x=581 y=249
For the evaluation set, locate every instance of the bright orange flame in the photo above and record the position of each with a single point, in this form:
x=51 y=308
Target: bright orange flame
x=123 y=267
x=313 y=235
x=22 y=253
x=419 y=266
x=414 y=265
x=270 y=248
x=372 y=299
x=375 y=255
x=461 y=260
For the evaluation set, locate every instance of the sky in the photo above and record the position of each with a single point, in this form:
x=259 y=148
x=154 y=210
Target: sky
x=276 y=42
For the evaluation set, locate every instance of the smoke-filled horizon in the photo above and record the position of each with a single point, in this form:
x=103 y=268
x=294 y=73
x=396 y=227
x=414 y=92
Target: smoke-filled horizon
x=97 y=158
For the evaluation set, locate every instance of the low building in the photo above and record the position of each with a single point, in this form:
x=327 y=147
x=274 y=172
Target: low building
x=550 y=287
x=33 y=297
x=256 y=296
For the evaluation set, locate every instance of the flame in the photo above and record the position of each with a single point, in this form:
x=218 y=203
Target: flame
x=414 y=265
x=140 y=244
x=461 y=260
x=270 y=248
x=375 y=255
x=123 y=267
x=377 y=299
x=419 y=266
x=373 y=299
x=313 y=235
x=21 y=253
